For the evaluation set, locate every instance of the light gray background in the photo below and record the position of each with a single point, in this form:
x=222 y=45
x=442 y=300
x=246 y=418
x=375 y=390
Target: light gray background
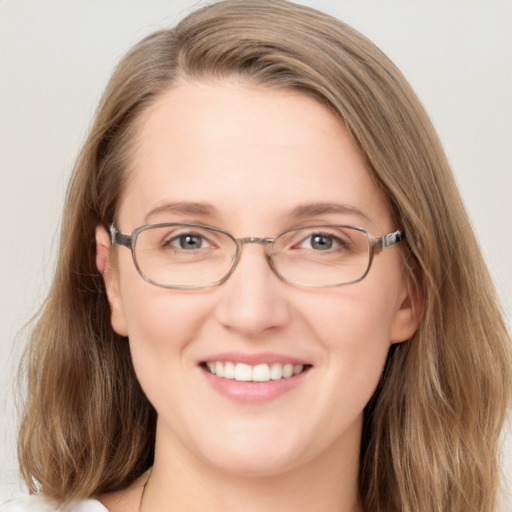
x=55 y=59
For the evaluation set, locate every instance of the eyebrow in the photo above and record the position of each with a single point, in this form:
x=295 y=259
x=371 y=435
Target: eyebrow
x=316 y=209
x=300 y=212
x=182 y=208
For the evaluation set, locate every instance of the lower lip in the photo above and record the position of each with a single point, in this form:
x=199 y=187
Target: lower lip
x=253 y=392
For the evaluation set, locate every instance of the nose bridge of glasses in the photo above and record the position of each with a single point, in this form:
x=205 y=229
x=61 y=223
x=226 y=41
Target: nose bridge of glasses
x=266 y=242
x=255 y=240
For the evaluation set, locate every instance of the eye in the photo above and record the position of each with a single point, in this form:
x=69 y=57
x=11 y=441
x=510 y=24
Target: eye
x=187 y=242
x=321 y=242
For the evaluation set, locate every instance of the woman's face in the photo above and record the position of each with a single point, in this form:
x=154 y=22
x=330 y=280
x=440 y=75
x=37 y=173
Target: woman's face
x=255 y=161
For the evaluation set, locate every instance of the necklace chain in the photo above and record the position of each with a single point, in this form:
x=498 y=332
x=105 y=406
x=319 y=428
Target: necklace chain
x=144 y=490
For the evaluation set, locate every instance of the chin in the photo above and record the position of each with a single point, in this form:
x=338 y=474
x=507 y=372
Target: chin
x=260 y=465
x=256 y=452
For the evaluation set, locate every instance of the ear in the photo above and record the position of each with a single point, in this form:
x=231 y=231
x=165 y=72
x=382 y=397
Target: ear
x=111 y=280
x=408 y=314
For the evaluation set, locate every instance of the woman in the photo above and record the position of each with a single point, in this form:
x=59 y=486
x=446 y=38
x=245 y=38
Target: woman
x=268 y=294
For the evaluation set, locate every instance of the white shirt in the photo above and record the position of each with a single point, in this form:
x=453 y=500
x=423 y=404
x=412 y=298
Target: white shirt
x=41 y=504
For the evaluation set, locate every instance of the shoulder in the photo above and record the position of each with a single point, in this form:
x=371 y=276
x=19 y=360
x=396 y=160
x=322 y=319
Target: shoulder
x=41 y=504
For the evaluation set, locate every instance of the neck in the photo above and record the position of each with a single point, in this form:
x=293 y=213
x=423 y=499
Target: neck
x=179 y=481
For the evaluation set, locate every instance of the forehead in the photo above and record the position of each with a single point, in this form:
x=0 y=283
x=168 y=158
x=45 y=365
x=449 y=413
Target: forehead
x=246 y=151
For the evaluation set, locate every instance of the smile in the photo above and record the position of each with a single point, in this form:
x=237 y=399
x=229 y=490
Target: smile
x=254 y=373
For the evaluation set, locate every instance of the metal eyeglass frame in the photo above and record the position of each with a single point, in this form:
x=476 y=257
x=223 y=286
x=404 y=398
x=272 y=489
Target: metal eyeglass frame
x=129 y=241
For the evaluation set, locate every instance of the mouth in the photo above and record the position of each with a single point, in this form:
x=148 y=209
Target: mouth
x=263 y=372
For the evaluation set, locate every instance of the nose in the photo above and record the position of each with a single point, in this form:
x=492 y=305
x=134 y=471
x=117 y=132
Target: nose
x=253 y=300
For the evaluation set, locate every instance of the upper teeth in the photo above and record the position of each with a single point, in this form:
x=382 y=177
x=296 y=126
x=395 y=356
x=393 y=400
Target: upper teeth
x=258 y=373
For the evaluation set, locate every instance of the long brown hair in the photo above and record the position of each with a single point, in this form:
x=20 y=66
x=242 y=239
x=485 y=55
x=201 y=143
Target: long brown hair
x=432 y=430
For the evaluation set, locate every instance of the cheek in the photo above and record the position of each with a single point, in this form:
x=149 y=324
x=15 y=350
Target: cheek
x=354 y=326
x=161 y=324
x=353 y=320
x=358 y=348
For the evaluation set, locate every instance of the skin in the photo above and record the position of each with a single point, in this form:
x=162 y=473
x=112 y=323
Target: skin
x=253 y=154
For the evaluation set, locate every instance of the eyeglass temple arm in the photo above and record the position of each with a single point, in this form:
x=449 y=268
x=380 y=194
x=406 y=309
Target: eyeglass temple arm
x=117 y=238
x=390 y=239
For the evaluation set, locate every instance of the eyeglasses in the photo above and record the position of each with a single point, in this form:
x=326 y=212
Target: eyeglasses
x=192 y=256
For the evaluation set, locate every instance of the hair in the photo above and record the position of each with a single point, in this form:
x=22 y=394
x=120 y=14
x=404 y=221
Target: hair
x=431 y=434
